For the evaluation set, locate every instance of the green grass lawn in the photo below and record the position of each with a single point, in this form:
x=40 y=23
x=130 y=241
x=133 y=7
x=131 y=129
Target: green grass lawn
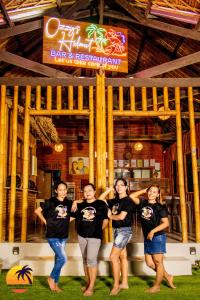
x=188 y=288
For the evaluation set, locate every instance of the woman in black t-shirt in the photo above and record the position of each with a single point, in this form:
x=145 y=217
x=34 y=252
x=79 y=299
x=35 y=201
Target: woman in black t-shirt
x=91 y=217
x=154 y=221
x=55 y=214
x=121 y=214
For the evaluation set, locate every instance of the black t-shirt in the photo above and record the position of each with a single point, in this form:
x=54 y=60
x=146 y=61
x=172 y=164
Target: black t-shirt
x=89 y=217
x=57 y=215
x=151 y=215
x=117 y=206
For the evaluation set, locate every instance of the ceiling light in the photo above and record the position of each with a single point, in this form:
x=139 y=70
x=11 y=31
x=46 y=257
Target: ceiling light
x=138 y=146
x=58 y=147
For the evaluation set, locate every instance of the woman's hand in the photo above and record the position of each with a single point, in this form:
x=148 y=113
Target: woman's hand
x=74 y=206
x=150 y=235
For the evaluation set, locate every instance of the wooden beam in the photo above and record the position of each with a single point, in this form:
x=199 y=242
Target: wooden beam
x=169 y=66
x=30 y=65
x=86 y=81
x=148 y=8
x=153 y=82
x=101 y=11
x=177 y=30
x=5 y=14
x=19 y=29
x=79 y=4
x=38 y=24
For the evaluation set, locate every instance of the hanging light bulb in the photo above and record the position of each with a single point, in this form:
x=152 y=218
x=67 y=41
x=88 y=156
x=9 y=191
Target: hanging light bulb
x=58 y=147
x=138 y=146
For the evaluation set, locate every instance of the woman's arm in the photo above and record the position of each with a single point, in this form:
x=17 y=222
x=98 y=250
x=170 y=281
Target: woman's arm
x=164 y=224
x=105 y=223
x=135 y=196
x=38 y=212
x=119 y=217
x=105 y=194
x=74 y=205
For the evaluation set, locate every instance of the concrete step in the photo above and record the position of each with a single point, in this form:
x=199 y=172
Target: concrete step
x=42 y=266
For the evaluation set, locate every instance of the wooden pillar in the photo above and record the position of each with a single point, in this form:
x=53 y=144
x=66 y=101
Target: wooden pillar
x=25 y=164
x=110 y=151
x=194 y=163
x=101 y=138
x=180 y=167
x=13 y=167
x=91 y=135
x=2 y=155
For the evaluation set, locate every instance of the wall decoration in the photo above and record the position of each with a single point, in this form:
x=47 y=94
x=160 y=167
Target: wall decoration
x=137 y=174
x=133 y=163
x=146 y=173
x=139 y=163
x=71 y=190
x=120 y=163
x=146 y=163
x=118 y=173
x=86 y=45
x=152 y=162
x=34 y=166
x=78 y=165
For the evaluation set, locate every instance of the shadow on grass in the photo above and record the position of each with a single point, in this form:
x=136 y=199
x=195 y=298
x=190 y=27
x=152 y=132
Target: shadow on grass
x=149 y=280
x=107 y=281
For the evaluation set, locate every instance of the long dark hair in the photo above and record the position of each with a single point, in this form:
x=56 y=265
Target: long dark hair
x=90 y=184
x=58 y=183
x=158 y=198
x=124 y=182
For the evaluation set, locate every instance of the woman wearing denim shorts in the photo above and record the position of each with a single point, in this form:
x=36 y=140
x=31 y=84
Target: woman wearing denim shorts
x=154 y=220
x=55 y=214
x=121 y=214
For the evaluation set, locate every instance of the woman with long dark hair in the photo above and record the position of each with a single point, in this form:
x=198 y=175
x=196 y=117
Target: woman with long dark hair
x=121 y=214
x=154 y=220
x=55 y=214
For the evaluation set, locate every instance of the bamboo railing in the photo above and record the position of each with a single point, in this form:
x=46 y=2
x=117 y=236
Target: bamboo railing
x=146 y=106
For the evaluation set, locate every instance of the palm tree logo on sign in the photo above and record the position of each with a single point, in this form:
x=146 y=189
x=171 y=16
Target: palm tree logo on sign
x=18 y=276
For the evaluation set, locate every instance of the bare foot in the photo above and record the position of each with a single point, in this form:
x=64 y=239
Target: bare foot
x=170 y=282
x=153 y=290
x=57 y=289
x=88 y=292
x=124 y=286
x=84 y=288
x=114 y=291
x=51 y=283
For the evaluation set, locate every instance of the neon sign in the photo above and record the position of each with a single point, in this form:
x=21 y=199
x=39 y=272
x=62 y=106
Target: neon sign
x=86 y=45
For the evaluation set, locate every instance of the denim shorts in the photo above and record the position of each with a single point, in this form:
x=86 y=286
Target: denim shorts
x=156 y=245
x=122 y=236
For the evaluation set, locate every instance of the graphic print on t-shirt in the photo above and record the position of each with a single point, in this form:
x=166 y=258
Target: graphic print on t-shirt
x=62 y=211
x=88 y=213
x=115 y=209
x=147 y=212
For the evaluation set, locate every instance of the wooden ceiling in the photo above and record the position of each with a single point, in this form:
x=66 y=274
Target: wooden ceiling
x=170 y=29
x=164 y=38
